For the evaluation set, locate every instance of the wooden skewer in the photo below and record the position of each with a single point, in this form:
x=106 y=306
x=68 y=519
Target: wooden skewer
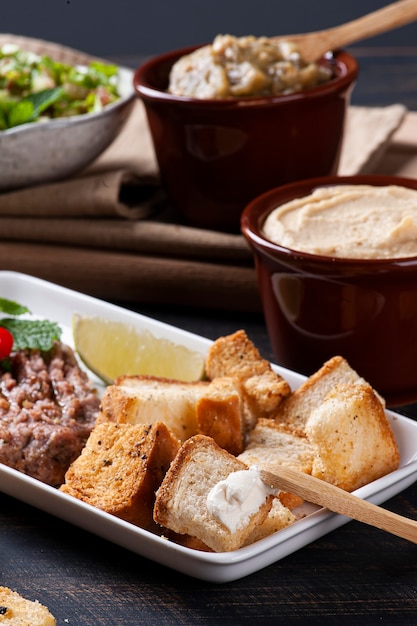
x=339 y=501
x=313 y=45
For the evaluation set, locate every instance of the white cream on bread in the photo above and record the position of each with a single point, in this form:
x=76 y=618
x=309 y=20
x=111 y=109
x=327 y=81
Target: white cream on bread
x=235 y=499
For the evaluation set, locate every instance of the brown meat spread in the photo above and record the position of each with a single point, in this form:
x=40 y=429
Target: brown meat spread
x=48 y=408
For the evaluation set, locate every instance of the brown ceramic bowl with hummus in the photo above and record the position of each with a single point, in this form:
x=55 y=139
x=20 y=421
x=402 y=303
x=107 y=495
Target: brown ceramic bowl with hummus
x=336 y=260
x=218 y=151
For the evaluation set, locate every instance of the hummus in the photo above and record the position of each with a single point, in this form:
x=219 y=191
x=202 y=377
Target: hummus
x=348 y=221
x=245 y=66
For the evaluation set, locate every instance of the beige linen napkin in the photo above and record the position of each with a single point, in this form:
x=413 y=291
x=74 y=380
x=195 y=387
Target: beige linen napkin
x=145 y=237
x=367 y=137
x=117 y=193
x=124 y=276
x=400 y=158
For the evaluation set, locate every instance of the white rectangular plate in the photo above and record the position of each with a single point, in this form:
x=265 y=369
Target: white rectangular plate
x=58 y=304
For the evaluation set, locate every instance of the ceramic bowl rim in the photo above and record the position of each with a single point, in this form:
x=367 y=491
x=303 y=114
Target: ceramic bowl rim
x=255 y=213
x=347 y=63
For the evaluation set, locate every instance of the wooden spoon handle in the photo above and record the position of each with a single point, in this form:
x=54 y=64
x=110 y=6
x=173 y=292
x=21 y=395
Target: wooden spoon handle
x=339 y=501
x=389 y=17
x=314 y=45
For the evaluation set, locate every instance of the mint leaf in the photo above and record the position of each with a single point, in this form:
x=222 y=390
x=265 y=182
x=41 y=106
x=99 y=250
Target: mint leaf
x=33 y=334
x=29 y=109
x=12 y=308
x=20 y=113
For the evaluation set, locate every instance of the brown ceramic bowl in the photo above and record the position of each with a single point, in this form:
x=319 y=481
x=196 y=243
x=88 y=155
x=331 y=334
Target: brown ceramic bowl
x=317 y=307
x=217 y=155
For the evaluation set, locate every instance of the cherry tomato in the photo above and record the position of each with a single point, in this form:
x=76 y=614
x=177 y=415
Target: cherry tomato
x=6 y=342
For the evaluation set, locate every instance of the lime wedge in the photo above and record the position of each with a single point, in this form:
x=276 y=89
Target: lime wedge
x=110 y=349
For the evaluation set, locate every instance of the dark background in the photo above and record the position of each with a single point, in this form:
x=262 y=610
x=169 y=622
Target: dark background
x=129 y=28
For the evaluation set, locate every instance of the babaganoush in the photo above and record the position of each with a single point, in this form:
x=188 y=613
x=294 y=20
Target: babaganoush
x=348 y=221
x=234 y=67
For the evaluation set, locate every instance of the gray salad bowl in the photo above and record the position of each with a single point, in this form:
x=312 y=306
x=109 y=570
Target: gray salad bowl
x=41 y=152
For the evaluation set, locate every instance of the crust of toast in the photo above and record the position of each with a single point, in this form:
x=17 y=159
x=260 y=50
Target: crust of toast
x=121 y=467
x=353 y=437
x=270 y=446
x=279 y=517
x=219 y=414
x=19 y=611
x=235 y=355
x=149 y=399
x=187 y=408
x=181 y=500
x=293 y=413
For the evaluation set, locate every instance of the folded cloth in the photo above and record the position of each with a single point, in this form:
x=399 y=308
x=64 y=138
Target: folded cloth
x=144 y=237
x=367 y=137
x=118 y=193
x=131 y=277
x=401 y=157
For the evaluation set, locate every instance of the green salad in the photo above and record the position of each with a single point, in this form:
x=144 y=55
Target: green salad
x=34 y=88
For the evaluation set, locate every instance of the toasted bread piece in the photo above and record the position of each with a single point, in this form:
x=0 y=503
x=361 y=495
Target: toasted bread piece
x=181 y=501
x=235 y=355
x=18 y=611
x=295 y=410
x=220 y=414
x=269 y=446
x=188 y=408
x=279 y=517
x=148 y=399
x=353 y=437
x=290 y=500
x=121 y=467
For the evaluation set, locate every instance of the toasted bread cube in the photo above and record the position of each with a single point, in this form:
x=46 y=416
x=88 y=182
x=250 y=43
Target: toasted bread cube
x=353 y=437
x=149 y=399
x=220 y=414
x=269 y=446
x=295 y=410
x=279 y=517
x=188 y=408
x=121 y=467
x=181 y=501
x=19 y=611
x=235 y=355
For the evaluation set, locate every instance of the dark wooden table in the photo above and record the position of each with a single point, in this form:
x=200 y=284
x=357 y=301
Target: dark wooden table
x=354 y=575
